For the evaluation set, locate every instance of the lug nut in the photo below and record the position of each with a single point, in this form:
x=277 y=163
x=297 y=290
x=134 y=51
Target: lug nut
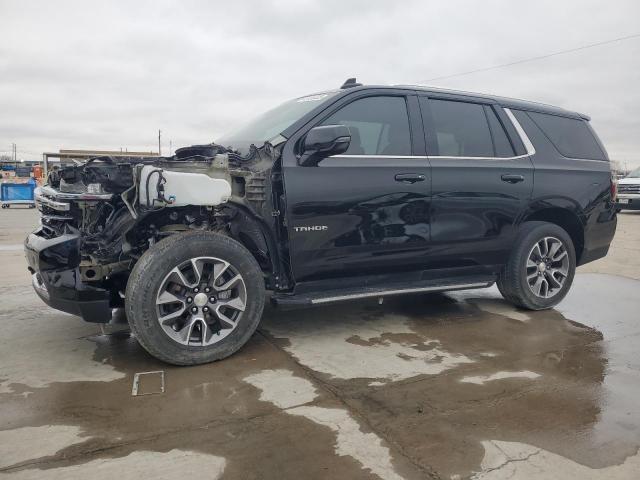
x=207 y=289
x=194 y=309
x=196 y=290
x=189 y=299
x=212 y=300
x=205 y=309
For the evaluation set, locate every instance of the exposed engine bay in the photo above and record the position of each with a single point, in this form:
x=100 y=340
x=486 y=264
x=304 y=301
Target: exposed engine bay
x=118 y=207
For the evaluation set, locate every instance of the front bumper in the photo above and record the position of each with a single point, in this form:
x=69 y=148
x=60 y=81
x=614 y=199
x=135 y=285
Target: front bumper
x=53 y=263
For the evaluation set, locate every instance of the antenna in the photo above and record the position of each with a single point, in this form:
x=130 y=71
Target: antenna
x=350 y=83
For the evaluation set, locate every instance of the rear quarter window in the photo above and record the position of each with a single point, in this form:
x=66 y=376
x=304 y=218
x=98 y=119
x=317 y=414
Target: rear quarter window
x=572 y=137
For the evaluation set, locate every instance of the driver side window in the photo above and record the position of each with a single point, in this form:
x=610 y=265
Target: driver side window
x=378 y=126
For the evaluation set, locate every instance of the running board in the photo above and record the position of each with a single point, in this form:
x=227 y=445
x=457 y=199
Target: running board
x=333 y=296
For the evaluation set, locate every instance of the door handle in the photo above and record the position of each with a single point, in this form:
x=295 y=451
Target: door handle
x=509 y=178
x=410 y=177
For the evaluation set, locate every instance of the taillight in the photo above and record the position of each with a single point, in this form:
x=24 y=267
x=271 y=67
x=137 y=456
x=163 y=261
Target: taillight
x=614 y=189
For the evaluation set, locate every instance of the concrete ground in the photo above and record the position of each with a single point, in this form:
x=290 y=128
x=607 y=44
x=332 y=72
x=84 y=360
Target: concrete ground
x=445 y=386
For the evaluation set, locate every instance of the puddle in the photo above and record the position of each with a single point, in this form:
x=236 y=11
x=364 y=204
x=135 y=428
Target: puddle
x=285 y=390
x=366 y=448
x=136 y=465
x=500 y=307
x=607 y=303
x=449 y=371
x=42 y=346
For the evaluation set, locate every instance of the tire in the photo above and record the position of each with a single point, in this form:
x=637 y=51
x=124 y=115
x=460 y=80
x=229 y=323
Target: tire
x=522 y=281
x=156 y=278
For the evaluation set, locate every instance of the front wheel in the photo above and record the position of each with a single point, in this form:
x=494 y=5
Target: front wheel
x=194 y=298
x=541 y=267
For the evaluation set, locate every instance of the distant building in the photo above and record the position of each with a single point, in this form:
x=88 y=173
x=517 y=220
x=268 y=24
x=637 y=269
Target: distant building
x=64 y=157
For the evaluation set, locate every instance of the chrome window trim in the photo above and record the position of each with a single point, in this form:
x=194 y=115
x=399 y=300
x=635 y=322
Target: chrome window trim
x=379 y=156
x=445 y=157
x=440 y=157
x=521 y=133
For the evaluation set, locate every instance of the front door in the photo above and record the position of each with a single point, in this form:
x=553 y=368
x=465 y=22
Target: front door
x=366 y=211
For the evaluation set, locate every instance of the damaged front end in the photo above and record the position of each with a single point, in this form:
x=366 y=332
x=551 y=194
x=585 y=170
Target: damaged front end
x=99 y=217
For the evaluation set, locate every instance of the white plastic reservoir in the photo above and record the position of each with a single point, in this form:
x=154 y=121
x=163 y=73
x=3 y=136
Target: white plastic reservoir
x=182 y=188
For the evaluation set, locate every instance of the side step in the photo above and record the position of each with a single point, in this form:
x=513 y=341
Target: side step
x=425 y=286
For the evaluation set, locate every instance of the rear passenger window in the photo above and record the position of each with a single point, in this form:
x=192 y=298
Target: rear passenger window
x=378 y=126
x=461 y=129
x=571 y=137
x=501 y=142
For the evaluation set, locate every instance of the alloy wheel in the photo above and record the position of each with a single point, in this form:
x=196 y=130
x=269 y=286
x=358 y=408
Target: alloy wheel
x=547 y=267
x=201 y=301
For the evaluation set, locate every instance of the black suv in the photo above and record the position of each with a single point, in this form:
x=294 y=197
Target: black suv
x=363 y=191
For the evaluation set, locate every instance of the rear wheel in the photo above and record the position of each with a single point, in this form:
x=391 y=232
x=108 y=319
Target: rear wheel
x=195 y=298
x=541 y=267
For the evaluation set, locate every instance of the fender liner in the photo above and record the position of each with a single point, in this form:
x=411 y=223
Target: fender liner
x=245 y=223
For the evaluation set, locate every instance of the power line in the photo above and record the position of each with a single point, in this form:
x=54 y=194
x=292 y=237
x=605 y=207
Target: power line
x=533 y=59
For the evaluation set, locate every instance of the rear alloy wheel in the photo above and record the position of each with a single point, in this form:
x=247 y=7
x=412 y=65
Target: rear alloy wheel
x=541 y=267
x=547 y=267
x=194 y=298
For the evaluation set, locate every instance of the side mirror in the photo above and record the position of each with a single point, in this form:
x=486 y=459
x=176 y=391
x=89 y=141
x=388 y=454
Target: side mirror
x=324 y=141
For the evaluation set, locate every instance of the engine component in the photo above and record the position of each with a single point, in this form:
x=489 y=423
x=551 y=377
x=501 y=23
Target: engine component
x=160 y=187
x=207 y=151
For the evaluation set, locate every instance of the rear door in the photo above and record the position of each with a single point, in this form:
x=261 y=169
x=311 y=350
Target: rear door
x=482 y=179
x=366 y=211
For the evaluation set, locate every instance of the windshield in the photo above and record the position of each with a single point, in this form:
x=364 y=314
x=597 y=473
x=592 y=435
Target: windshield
x=634 y=174
x=273 y=122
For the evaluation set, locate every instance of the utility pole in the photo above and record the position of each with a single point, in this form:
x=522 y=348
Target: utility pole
x=170 y=147
x=159 y=147
x=14 y=152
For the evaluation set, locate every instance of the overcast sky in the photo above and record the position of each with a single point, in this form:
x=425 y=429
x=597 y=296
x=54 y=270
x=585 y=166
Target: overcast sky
x=109 y=74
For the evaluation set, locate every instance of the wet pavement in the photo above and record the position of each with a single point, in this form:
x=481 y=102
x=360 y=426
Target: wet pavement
x=451 y=386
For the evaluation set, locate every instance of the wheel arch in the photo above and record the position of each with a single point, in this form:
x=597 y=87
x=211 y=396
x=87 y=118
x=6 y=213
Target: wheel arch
x=243 y=224
x=566 y=218
x=251 y=230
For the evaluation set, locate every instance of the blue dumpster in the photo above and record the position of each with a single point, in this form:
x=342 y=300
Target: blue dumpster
x=17 y=193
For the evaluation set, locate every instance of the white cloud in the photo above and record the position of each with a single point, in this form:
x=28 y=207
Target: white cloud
x=109 y=74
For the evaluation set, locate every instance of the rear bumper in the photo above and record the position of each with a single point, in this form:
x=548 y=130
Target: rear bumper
x=53 y=264
x=598 y=236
